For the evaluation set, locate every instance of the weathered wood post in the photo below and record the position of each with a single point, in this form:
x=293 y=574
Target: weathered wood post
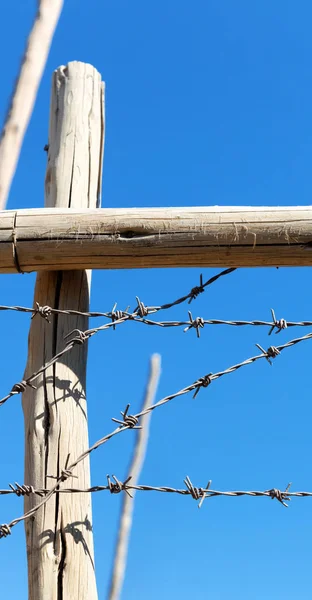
x=59 y=537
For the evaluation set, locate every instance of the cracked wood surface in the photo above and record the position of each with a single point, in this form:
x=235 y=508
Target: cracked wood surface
x=59 y=537
x=156 y=237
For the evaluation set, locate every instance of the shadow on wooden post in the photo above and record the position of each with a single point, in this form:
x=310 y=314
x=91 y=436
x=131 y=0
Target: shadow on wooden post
x=59 y=537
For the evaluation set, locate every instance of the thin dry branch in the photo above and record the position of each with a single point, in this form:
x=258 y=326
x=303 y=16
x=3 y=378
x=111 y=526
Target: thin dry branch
x=135 y=468
x=25 y=92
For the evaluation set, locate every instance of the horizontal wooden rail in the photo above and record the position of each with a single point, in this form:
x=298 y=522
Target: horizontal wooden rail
x=54 y=239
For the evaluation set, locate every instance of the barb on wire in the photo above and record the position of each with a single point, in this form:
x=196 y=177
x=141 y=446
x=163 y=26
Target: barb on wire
x=281 y=496
x=82 y=336
x=197 y=493
x=46 y=311
x=271 y=352
x=197 y=324
x=24 y=490
x=278 y=325
x=198 y=289
x=118 y=486
x=129 y=420
x=43 y=311
x=202 y=382
x=124 y=425
x=116 y=317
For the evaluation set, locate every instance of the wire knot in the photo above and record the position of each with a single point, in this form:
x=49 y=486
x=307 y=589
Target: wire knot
x=197 y=324
x=129 y=420
x=141 y=309
x=198 y=289
x=197 y=493
x=118 y=486
x=5 y=530
x=23 y=490
x=43 y=311
x=280 y=496
x=202 y=382
x=278 y=324
x=116 y=315
x=80 y=338
x=271 y=352
x=20 y=387
x=67 y=471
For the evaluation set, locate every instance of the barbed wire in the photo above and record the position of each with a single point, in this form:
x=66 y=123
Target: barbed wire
x=46 y=311
x=141 y=311
x=119 y=316
x=132 y=421
x=198 y=323
x=116 y=317
x=198 y=493
x=138 y=315
x=82 y=336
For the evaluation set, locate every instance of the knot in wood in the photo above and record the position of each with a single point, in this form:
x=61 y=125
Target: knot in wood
x=5 y=530
x=43 y=311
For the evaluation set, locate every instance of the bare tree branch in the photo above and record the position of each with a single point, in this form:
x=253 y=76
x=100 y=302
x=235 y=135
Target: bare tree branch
x=135 y=469
x=25 y=92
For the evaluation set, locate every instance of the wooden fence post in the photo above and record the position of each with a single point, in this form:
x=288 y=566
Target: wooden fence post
x=149 y=238
x=59 y=536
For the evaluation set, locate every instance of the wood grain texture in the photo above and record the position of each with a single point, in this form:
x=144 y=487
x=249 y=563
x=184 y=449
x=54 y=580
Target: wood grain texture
x=150 y=237
x=59 y=537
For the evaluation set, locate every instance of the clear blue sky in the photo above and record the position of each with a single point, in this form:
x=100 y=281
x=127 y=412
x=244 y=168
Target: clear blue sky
x=206 y=103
